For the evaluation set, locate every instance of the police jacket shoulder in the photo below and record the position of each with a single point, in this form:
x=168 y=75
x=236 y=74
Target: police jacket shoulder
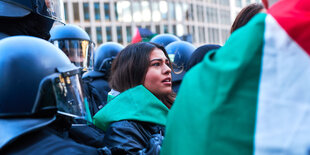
x=3 y=35
x=44 y=141
x=93 y=75
x=134 y=137
x=96 y=88
x=87 y=135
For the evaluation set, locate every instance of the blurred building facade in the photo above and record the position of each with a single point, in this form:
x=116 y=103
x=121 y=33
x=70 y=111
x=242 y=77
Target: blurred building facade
x=199 y=21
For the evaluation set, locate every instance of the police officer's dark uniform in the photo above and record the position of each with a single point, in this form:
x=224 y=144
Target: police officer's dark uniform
x=34 y=18
x=40 y=96
x=96 y=81
x=76 y=44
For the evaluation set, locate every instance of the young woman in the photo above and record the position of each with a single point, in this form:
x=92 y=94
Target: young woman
x=134 y=120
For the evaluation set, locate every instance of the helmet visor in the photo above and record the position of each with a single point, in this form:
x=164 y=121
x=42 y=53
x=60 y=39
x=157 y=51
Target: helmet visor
x=69 y=95
x=53 y=9
x=177 y=67
x=80 y=52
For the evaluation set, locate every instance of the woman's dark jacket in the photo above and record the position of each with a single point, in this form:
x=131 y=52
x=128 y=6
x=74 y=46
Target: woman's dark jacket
x=134 y=122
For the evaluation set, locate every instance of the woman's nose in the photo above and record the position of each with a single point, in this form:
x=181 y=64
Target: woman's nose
x=166 y=69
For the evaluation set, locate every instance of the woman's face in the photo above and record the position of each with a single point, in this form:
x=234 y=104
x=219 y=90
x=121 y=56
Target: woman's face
x=158 y=75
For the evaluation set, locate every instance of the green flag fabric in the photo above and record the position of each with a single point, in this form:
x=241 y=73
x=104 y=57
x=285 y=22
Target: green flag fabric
x=214 y=112
x=137 y=103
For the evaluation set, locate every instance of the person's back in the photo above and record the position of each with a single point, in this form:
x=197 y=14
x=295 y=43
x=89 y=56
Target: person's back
x=199 y=54
x=251 y=95
x=96 y=88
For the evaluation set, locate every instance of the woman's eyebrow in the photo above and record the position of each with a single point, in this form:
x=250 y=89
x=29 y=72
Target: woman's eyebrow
x=158 y=59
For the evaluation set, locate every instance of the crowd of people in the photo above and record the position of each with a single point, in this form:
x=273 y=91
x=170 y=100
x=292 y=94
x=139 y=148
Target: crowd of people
x=61 y=95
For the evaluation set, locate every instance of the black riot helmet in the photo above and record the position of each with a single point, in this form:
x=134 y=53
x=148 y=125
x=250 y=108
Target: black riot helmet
x=164 y=39
x=180 y=52
x=30 y=17
x=52 y=9
x=104 y=56
x=75 y=43
x=37 y=78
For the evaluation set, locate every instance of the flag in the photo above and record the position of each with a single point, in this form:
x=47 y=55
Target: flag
x=252 y=95
x=142 y=35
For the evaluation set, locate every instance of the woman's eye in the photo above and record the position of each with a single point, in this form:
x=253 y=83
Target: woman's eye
x=156 y=64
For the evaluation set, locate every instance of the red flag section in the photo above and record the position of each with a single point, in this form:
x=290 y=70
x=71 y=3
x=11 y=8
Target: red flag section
x=142 y=35
x=294 y=18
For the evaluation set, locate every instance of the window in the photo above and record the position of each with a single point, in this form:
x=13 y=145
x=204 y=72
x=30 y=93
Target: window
x=225 y=17
x=180 y=30
x=186 y=11
x=123 y=11
x=157 y=29
x=224 y=2
x=202 y=37
x=238 y=3
x=156 y=12
x=214 y=1
x=212 y=16
x=178 y=12
x=200 y=13
x=129 y=34
x=99 y=35
x=76 y=11
x=148 y=27
x=86 y=11
x=165 y=28
x=116 y=11
x=191 y=12
x=172 y=11
x=107 y=15
x=87 y=29
x=97 y=11
x=109 y=33
x=146 y=13
x=194 y=34
x=119 y=34
x=213 y=35
x=66 y=11
x=174 y=29
x=163 y=7
x=136 y=12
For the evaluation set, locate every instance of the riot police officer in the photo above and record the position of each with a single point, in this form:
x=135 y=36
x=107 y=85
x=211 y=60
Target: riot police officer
x=29 y=17
x=78 y=47
x=179 y=53
x=39 y=97
x=164 y=39
x=75 y=43
x=97 y=86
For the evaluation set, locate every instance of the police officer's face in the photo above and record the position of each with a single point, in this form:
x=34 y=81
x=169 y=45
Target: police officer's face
x=158 y=76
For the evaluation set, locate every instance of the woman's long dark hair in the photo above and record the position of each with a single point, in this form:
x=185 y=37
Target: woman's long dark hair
x=131 y=65
x=245 y=15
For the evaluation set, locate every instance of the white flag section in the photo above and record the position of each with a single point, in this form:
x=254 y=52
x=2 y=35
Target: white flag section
x=283 y=114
